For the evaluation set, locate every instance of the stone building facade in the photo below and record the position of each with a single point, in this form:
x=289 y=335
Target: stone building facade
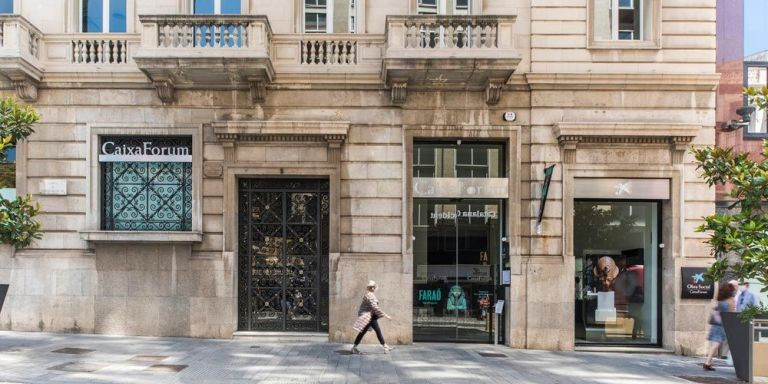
x=266 y=173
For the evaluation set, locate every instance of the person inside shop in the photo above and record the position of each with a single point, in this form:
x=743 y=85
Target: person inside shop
x=725 y=303
x=628 y=287
x=367 y=318
x=746 y=298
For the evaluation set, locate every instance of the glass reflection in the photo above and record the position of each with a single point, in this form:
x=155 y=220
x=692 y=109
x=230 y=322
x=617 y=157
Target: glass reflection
x=615 y=244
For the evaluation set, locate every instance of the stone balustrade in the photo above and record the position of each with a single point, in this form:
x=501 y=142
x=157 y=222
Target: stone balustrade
x=20 y=47
x=240 y=52
x=212 y=32
x=430 y=33
x=301 y=58
x=449 y=52
x=99 y=49
x=328 y=52
x=19 y=37
x=205 y=51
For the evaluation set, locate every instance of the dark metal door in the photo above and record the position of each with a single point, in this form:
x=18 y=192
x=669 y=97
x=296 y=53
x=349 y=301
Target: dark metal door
x=283 y=255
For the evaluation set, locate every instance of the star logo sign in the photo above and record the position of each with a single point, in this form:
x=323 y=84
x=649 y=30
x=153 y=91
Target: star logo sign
x=622 y=189
x=698 y=278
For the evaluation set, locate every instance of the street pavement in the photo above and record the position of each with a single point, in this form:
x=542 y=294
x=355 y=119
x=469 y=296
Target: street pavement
x=69 y=358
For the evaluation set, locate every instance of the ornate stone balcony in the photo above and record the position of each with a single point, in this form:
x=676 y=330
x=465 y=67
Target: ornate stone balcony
x=449 y=52
x=206 y=51
x=20 y=47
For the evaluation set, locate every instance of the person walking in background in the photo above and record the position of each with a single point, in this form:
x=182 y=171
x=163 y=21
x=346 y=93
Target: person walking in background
x=367 y=318
x=725 y=303
x=746 y=298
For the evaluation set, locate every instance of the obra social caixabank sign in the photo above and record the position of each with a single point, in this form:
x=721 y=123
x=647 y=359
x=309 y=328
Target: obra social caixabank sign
x=695 y=284
x=457 y=187
x=168 y=149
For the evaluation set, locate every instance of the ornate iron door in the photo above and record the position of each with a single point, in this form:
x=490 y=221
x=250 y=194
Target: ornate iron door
x=283 y=255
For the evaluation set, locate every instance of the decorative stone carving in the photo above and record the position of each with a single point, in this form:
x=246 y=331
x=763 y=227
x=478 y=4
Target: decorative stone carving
x=26 y=89
x=677 y=146
x=493 y=92
x=568 y=144
x=230 y=132
x=258 y=91
x=399 y=92
x=675 y=135
x=334 y=149
x=165 y=90
x=229 y=150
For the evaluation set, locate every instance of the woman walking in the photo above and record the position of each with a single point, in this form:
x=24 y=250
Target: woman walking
x=725 y=303
x=367 y=318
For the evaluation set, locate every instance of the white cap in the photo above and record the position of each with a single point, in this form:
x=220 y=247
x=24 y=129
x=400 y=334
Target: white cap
x=371 y=283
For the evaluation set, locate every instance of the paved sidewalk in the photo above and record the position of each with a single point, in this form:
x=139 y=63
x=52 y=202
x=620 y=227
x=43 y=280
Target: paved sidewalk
x=65 y=358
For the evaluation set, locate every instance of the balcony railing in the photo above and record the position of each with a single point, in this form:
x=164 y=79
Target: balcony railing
x=454 y=32
x=328 y=57
x=328 y=52
x=20 y=47
x=88 y=50
x=434 y=33
x=240 y=52
x=205 y=51
x=177 y=33
x=19 y=37
x=460 y=52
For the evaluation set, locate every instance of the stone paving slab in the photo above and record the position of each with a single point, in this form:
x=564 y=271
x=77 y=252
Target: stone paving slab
x=30 y=358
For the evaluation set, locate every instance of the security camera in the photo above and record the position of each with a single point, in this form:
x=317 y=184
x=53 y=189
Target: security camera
x=746 y=115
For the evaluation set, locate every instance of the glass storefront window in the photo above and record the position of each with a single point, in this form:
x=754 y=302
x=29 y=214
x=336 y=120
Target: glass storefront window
x=471 y=160
x=456 y=258
x=617 y=272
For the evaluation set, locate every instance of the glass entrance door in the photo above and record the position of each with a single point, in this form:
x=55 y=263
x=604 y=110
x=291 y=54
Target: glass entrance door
x=456 y=253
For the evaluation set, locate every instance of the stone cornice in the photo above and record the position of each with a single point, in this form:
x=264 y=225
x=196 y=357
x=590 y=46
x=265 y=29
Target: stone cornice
x=296 y=131
x=677 y=135
x=612 y=81
x=233 y=132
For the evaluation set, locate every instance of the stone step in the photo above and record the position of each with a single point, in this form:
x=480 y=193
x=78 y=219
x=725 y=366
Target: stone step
x=281 y=337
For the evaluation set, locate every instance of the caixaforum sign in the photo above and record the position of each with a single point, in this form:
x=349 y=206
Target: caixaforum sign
x=168 y=149
x=695 y=285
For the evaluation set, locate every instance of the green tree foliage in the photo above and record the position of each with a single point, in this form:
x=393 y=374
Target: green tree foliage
x=742 y=231
x=17 y=225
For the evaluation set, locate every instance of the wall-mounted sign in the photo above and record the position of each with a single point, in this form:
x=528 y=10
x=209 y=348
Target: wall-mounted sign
x=463 y=214
x=510 y=116
x=599 y=188
x=695 y=285
x=548 y=171
x=458 y=187
x=57 y=187
x=166 y=149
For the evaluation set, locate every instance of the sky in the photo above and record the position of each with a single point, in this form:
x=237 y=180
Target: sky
x=755 y=26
